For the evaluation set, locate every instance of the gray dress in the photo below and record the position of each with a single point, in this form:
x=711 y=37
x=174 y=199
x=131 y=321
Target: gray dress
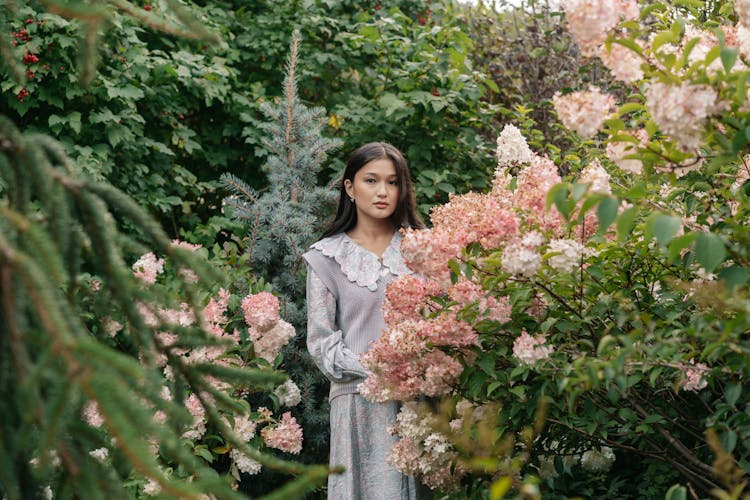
x=345 y=291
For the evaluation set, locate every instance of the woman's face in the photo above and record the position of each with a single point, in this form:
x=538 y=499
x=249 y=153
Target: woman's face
x=374 y=189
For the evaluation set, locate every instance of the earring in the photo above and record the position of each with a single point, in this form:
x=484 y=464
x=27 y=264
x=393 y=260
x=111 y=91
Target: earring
x=352 y=199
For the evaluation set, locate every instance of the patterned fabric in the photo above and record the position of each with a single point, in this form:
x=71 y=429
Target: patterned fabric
x=334 y=358
x=345 y=291
x=360 y=442
x=360 y=265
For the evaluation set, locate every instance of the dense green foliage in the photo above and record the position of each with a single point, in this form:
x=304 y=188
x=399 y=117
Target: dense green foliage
x=165 y=116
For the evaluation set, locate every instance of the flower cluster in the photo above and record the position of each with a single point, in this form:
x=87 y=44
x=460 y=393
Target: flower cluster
x=583 y=112
x=268 y=332
x=407 y=361
x=285 y=436
x=512 y=148
x=148 y=267
x=598 y=459
x=624 y=64
x=681 y=110
x=288 y=393
x=624 y=153
x=475 y=217
x=530 y=349
x=421 y=451
x=565 y=255
x=406 y=298
x=589 y=21
x=261 y=310
x=694 y=378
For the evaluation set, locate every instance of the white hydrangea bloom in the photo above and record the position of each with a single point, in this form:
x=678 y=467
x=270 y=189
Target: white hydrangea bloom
x=288 y=393
x=512 y=148
x=245 y=463
x=100 y=454
x=598 y=459
x=519 y=260
x=566 y=256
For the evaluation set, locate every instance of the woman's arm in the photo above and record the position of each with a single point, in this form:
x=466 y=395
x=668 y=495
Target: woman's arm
x=326 y=345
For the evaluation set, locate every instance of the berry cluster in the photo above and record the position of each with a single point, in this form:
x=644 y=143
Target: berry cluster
x=22 y=94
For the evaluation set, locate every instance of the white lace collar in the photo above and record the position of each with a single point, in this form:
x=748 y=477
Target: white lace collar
x=360 y=265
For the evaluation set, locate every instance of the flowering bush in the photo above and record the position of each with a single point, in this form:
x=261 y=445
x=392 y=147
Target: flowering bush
x=620 y=359
x=244 y=334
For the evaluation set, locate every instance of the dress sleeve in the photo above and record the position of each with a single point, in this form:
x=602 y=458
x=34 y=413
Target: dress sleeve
x=326 y=345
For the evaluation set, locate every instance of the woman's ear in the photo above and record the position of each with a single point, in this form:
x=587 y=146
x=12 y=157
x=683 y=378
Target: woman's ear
x=349 y=188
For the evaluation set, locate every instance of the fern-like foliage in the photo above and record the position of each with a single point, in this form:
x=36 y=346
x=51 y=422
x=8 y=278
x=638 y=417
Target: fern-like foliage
x=55 y=229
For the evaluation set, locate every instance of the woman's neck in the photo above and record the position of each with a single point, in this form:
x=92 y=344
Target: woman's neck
x=375 y=235
x=372 y=230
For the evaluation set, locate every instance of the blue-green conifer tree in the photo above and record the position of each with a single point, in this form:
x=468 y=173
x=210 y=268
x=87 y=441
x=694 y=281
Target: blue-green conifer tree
x=284 y=220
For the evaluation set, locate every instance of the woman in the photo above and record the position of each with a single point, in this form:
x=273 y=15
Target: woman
x=348 y=271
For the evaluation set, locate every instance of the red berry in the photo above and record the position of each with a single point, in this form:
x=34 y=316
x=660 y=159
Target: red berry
x=180 y=116
x=147 y=7
x=22 y=94
x=29 y=74
x=29 y=21
x=435 y=92
x=378 y=7
x=422 y=21
x=30 y=58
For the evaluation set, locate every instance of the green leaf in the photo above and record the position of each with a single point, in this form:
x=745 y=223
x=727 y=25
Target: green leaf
x=491 y=388
x=729 y=440
x=579 y=190
x=499 y=488
x=734 y=276
x=391 y=103
x=677 y=245
x=732 y=393
x=625 y=223
x=676 y=492
x=709 y=250
x=663 y=227
x=728 y=58
x=636 y=192
x=559 y=194
x=607 y=212
x=630 y=107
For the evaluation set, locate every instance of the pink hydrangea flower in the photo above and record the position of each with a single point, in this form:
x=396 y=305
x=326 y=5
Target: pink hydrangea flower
x=475 y=217
x=428 y=251
x=624 y=64
x=148 y=267
x=583 y=112
x=286 y=436
x=530 y=350
x=268 y=343
x=406 y=297
x=465 y=292
x=530 y=196
x=681 y=110
x=589 y=21
x=261 y=310
x=694 y=376
x=618 y=152
x=92 y=415
x=214 y=313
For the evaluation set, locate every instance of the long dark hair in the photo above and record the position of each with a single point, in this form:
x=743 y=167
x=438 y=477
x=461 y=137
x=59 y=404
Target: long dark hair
x=405 y=215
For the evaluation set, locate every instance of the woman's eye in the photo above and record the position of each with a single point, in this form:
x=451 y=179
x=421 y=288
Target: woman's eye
x=369 y=181
x=393 y=183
